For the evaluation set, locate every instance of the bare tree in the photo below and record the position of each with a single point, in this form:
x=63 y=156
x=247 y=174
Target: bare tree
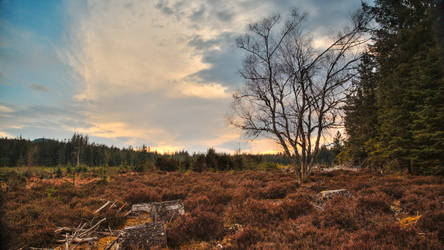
x=293 y=91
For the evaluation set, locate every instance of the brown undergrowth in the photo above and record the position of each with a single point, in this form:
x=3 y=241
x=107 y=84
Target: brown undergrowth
x=244 y=210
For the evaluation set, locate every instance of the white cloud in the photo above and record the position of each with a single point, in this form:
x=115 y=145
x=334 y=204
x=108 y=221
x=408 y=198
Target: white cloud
x=139 y=75
x=206 y=91
x=5 y=109
x=135 y=63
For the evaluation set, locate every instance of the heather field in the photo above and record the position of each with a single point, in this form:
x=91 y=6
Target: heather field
x=238 y=209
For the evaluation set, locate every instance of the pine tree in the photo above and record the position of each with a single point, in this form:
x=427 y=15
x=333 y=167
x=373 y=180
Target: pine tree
x=410 y=82
x=361 y=113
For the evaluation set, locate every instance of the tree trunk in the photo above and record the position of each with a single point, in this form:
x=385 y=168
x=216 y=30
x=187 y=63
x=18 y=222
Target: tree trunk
x=78 y=158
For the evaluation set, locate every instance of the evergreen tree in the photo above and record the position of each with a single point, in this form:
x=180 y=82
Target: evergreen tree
x=361 y=113
x=410 y=89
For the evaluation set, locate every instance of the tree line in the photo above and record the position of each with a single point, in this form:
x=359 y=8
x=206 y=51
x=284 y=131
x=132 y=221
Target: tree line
x=394 y=117
x=78 y=152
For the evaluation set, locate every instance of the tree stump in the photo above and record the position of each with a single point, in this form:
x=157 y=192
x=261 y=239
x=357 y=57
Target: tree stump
x=143 y=236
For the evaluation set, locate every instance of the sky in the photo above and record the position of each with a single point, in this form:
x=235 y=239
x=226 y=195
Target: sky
x=129 y=72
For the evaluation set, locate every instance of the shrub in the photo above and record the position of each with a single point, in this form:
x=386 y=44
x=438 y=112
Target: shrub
x=255 y=212
x=278 y=190
x=114 y=219
x=339 y=214
x=195 y=201
x=144 y=167
x=58 y=172
x=296 y=208
x=361 y=221
x=167 y=164
x=374 y=203
x=218 y=196
x=198 y=225
x=433 y=221
x=394 y=190
x=141 y=195
x=247 y=237
x=390 y=236
x=274 y=191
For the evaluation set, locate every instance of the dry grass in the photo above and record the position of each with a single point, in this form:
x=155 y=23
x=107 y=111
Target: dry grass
x=248 y=209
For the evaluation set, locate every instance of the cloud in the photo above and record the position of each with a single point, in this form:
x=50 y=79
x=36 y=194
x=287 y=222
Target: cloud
x=132 y=72
x=163 y=72
x=3 y=80
x=5 y=109
x=39 y=87
x=264 y=146
x=206 y=91
x=38 y=116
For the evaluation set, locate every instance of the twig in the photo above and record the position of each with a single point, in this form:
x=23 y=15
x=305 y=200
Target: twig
x=76 y=231
x=92 y=228
x=66 y=242
x=112 y=243
x=63 y=229
x=78 y=240
x=102 y=207
x=122 y=207
x=318 y=207
x=113 y=205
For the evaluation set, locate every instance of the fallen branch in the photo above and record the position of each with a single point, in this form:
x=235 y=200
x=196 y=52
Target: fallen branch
x=318 y=207
x=67 y=241
x=79 y=240
x=102 y=207
x=63 y=229
x=112 y=233
x=122 y=207
x=112 y=243
x=73 y=236
x=113 y=205
x=92 y=228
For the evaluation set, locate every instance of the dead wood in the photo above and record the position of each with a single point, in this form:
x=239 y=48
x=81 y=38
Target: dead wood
x=63 y=230
x=78 y=240
x=92 y=228
x=112 y=243
x=102 y=207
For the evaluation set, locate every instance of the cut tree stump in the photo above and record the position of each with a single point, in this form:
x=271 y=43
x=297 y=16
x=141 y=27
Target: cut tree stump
x=143 y=236
x=329 y=194
x=161 y=211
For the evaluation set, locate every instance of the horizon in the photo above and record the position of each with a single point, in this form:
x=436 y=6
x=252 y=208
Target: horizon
x=130 y=73
x=148 y=147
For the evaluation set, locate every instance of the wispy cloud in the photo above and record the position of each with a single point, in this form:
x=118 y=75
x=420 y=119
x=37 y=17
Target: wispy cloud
x=5 y=109
x=39 y=87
